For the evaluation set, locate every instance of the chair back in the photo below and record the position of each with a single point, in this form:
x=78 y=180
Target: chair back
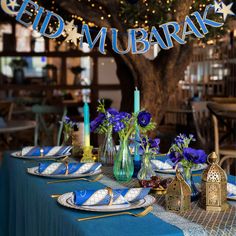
x=47 y=117
x=202 y=122
x=224 y=99
x=6 y=108
x=219 y=111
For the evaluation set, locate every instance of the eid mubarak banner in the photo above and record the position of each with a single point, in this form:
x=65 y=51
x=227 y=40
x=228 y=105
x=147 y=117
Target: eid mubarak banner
x=30 y=15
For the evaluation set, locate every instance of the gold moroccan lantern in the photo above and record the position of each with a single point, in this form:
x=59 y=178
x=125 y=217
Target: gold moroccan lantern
x=178 y=195
x=214 y=186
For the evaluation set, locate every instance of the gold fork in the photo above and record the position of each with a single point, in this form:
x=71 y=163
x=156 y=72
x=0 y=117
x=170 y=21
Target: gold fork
x=76 y=179
x=141 y=214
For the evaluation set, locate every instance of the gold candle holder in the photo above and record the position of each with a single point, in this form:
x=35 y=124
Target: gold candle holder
x=88 y=154
x=214 y=186
x=178 y=194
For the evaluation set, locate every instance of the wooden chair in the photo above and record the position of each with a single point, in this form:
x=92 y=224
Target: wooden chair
x=47 y=119
x=227 y=150
x=228 y=161
x=224 y=99
x=202 y=122
x=6 y=108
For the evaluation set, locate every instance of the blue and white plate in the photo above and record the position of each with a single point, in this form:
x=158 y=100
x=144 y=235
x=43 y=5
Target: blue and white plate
x=67 y=200
x=167 y=167
x=18 y=154
x=35 y=171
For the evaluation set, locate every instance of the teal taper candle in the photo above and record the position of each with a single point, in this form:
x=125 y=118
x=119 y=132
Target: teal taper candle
x=86 y=125
x=136 y=109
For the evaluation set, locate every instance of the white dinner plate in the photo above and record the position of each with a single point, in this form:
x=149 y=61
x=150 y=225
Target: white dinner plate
x=19 y=155
x=34 y=171
x=67 y=201
x=199 y=167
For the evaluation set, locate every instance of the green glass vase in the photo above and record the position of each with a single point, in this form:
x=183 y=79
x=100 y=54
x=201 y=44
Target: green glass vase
x=123 y=165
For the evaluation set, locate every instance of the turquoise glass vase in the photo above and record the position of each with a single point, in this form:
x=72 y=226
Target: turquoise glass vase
x=123 y=165
x=188 y=177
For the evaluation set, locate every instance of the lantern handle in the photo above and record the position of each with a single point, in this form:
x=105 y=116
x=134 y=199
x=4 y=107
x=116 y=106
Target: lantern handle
x=212 y=158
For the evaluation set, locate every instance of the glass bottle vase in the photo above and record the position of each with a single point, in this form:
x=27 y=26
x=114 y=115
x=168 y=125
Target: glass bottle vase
x=67 y=138
x=108 y=150
x=188 y=177
x=123 y=165
x=146 y=172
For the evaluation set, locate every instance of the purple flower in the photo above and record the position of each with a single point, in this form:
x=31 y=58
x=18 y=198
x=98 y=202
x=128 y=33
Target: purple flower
x=175 y=157
x=119 y=117
x=182 y=140
x=66 y=120
x=144 y=118
x=97 y=122
x=118 y=126
x=154 y=142
x=112 y=111
x=194 y=155
x=124 y=115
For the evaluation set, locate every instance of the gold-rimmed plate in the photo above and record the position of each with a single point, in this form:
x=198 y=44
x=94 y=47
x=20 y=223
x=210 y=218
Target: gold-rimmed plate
x=18 y=154
x=34 y=171
x=66 y=200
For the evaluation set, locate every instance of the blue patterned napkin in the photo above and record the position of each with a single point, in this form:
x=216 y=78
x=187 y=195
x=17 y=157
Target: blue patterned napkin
x=162 y=164
x=47 y=151
x=102 y=196
x=58 y=168
x=231 y=190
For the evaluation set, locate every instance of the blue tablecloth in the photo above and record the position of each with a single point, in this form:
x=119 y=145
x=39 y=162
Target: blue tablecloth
x=26 y=209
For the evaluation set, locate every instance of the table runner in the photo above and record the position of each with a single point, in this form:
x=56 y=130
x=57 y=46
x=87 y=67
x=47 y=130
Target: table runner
x=195 y=222
x=48 y=218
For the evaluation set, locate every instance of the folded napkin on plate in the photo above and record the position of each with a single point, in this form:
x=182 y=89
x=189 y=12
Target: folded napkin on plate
x=162 y=165
x=46 y=151
x=231 y=189
x=103 y=197
x=57 y=168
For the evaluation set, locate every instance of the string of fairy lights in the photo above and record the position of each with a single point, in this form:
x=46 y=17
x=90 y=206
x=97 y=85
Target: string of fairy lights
x=137 y=14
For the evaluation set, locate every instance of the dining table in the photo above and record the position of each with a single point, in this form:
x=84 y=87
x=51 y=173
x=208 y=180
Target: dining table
x=27 y=209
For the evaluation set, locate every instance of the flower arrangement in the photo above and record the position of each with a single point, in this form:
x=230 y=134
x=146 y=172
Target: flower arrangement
x=122 y=123
x=180 y=152
x=187 y=157
x=149 y=146
x=102 y=123
x=69 y=125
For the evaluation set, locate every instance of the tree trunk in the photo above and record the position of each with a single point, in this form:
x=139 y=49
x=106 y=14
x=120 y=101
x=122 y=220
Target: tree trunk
x=156 y=79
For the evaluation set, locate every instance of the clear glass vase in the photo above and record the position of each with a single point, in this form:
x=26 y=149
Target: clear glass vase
x=146 y=172
x=67 y=138
x=188 y=177
x=107 y=151
x=123 y=165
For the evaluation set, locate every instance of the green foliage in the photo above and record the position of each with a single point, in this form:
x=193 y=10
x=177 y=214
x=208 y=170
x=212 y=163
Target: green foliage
x=148 y=13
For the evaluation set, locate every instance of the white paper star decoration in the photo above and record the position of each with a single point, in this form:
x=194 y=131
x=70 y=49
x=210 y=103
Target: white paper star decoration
x=69 y=26
x=13 y=4
x=72 y=32
x=73 y=36
x=217 y=6
x=224 y=9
